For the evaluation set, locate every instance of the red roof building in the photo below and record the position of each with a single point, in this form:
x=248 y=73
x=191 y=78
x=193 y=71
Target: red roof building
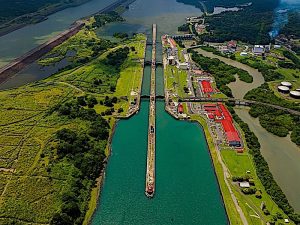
x=180 y=108
x=206 y=87
x=221 y=114
x=172 y=42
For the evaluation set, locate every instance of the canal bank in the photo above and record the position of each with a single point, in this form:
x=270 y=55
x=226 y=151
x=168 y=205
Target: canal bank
x=185 y=178
x=282 y=155
x=185 y=181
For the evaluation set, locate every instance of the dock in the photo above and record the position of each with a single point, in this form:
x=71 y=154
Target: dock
x=150 y=169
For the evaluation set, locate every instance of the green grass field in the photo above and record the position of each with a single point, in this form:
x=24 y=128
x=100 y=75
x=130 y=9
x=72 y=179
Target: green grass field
x=31 y=179
x=238 y=165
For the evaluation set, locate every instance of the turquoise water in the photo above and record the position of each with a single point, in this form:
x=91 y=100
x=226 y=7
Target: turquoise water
x=186 y=188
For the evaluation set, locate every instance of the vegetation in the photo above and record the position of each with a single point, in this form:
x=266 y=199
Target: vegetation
x=242 y=74
x=84 y=152
x=268 y=71
x=292 y=28
x=102 y=19
x=255 y=21
x=54 y=150
x=120 y=35
x=184 y=28
x=223 y=73
x=295 y=59
x=275 y=121
x=263 y=171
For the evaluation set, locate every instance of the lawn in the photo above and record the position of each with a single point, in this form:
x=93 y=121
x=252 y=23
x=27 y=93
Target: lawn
x=239 y=164
x=33 y=180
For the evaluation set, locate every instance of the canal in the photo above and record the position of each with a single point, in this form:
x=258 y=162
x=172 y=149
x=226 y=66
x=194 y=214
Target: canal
x=187 y=191
x=186 y=187
x=281 y=154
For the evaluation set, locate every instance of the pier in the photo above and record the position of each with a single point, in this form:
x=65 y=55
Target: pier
x=150 y=169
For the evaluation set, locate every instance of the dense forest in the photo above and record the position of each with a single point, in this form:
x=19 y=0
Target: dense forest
x=12 y=9
x=251 y=24
x=82 y=152
x=263 y=171
x=292 y=28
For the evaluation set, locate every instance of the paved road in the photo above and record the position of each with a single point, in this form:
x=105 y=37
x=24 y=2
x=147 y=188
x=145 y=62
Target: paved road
x=249 y=102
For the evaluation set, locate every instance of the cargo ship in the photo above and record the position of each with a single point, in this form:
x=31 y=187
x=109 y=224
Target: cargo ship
x=150 y=188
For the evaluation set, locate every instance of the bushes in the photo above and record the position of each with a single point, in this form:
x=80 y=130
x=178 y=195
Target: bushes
x=263 y=171
x=83 y=151
x=293 y=58
x=275 y=121
x=102 y=19
x=120 y=35
x=117 y=57
x=184 y=28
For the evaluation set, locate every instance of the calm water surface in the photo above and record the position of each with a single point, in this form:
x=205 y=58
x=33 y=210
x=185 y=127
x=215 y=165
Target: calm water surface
x=282 y=155
x=20 y=41
x=186 y=187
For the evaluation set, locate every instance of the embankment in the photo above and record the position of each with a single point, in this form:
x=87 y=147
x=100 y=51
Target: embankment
x=20 y=63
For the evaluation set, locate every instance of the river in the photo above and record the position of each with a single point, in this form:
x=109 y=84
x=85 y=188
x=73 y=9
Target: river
x=282 y=155
x=239 y=88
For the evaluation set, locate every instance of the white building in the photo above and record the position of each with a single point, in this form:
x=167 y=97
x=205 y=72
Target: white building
x=258 y=49
x=183 y=66
x=244 y=184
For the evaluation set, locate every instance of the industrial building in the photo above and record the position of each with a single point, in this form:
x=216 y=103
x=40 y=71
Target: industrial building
x=220 y=114
x=283 y=89
x=295 y=94
x=206 y=87
x=286 y=84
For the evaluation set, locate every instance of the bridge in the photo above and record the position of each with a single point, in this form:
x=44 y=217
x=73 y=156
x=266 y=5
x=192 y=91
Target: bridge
x=150 y=169
x=149 y=63
x=182 y=37
x=157 y=96
x=242 y=102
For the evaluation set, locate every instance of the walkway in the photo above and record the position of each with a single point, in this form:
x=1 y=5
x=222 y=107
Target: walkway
x=150 y=173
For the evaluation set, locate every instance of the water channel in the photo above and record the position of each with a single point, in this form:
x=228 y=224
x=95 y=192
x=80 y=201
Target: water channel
x=282 y=155
x=239 y=88
x=186 y=187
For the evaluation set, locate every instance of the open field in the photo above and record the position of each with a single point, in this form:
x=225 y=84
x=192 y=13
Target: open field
x=237 y=165
x=34 y=177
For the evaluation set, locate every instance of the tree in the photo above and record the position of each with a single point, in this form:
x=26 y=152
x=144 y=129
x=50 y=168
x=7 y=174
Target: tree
x=91 y=101
x=61 y=219
x=81 y=101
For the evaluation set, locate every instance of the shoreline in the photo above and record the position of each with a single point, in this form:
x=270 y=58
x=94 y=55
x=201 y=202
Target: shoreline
x=11 y=69
x=96 y=191
x=9 y=28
